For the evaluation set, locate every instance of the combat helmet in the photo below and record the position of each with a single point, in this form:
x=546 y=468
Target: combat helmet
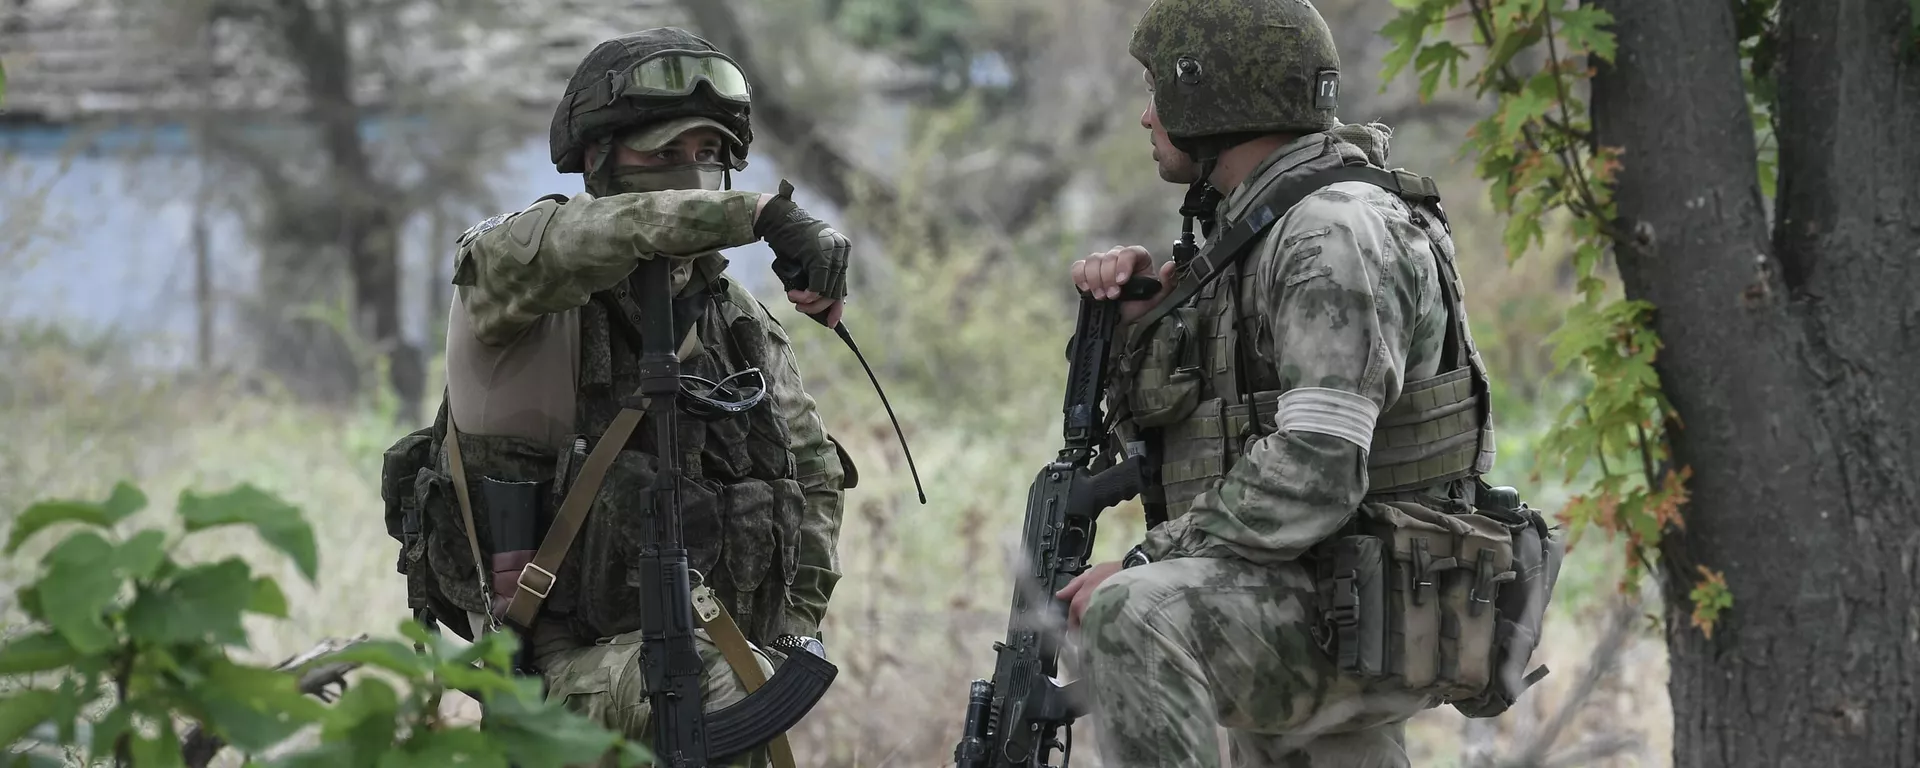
x=649 y=77
x=1227 y=70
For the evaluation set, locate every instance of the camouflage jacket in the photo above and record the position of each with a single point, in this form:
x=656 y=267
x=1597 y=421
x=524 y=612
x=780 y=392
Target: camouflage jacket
x=1343 y=306
x=522 y=279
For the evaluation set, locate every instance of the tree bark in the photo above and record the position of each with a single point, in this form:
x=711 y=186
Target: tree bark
x=1782 y=363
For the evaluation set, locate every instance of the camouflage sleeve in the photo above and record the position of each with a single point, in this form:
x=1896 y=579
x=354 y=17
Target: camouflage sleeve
x=1339 y=300
x=552 y=256
x=821 y=479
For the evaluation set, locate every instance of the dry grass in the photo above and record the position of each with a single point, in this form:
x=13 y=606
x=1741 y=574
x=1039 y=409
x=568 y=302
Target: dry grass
x=924 y=595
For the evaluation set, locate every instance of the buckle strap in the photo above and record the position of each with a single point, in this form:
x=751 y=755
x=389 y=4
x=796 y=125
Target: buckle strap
x=537 y=577
x=457 y=467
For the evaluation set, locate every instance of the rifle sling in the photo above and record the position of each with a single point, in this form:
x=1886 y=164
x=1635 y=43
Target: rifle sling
x=720 y=627
x=1231 y=245
x=537 y=576
x=457 y=467
x=525 y=604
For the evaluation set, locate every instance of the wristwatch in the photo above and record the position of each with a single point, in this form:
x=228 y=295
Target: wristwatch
x=789 y=643
x=1135 y=556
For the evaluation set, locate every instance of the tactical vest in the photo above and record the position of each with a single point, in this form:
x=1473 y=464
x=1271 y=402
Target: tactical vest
x=1437 y=583
x=1196 y=379
x=740 y=501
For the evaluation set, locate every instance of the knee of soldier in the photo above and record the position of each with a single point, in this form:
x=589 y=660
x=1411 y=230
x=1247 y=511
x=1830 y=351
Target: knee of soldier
x=1129 y=607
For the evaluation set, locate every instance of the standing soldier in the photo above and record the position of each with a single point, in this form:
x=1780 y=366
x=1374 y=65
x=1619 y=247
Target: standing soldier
x=543 y=353
x=1308 y=398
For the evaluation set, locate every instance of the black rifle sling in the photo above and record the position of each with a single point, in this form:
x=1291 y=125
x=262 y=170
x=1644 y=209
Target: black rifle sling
x=1232 y=244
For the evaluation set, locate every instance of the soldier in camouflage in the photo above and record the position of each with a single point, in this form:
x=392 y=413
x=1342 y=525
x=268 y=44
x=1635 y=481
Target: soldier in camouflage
x=1263 y=393
x=540 y=351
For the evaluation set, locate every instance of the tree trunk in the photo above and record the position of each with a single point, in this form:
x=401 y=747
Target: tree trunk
x=368 y=223
x=1783 y=368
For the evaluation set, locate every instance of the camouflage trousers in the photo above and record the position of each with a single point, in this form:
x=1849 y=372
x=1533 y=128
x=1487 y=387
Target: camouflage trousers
x=1172 y=649
x=605 y=683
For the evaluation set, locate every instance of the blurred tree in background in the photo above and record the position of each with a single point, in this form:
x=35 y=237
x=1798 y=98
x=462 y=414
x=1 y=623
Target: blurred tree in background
x=973 y=148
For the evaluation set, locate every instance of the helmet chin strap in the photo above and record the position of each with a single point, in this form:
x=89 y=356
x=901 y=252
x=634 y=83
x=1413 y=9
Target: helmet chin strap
x=602 y=170
x=1201 y=199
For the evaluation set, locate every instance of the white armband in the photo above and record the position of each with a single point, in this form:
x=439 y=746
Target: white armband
x=1344 y=415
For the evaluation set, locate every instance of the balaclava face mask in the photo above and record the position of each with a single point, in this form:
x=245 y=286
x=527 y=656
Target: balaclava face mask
x=707 y=176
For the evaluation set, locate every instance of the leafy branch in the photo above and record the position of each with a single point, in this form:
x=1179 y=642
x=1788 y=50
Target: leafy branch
x=127 y=641
x=1539 y=152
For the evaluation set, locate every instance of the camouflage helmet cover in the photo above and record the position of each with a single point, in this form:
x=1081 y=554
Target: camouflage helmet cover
x=1238 y=67
x=590 y=109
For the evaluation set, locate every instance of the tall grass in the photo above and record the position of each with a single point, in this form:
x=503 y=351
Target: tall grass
x=975 y=371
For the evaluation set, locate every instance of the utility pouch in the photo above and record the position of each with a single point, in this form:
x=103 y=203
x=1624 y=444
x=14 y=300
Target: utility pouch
x=1162 y=376
x=399 y=465
x=1442 y=575
x=1521 y=606
x=516 y=520
x=1356 y=623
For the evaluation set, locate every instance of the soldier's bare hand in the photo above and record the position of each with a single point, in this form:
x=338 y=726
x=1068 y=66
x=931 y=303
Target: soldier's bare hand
x=1102 y=274
x=812 y=305
x=1080 y=590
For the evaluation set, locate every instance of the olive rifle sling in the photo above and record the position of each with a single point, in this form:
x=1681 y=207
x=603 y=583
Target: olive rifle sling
x=734 y=647
x=528 y=595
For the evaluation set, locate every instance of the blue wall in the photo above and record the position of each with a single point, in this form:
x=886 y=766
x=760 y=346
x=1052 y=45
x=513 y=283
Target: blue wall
x=114 y=249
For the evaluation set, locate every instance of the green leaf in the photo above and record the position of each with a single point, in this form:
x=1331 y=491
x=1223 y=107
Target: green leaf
x=37 y=652
x=109 y=728
x=536 y=733
x=277 y=522
x=1582 y=29
x=464 y=747
x=139 y=558
x=203 y=602
x=1507 y=45
x=386 y=654
x=77 y=591
x=362 y=721
x=254 y=708
x=24 y=710
x=633 y=755
x=415 y=631
x=1435 y=60
x=267 y=598
x=162 y=751
x=125 y=500
x=1406 y=30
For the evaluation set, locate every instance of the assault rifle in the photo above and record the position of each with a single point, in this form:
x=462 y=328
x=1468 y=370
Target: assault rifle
x=685 y=735
x=1014 y=720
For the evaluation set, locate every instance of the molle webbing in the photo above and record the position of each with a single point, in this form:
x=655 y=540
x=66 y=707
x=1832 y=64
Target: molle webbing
x=1429 y=436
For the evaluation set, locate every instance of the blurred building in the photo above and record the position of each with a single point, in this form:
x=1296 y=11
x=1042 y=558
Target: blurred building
x=99 y=153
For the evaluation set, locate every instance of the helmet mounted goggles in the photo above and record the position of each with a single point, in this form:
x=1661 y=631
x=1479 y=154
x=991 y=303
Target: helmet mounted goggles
x=675 y=73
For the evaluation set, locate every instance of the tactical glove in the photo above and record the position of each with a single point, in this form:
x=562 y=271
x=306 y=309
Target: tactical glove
x=808 y=255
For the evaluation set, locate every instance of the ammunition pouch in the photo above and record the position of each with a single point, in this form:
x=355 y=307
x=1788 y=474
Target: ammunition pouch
x=399 y=466
x=1162 y=375
x=517 y=518
x=1445 y=604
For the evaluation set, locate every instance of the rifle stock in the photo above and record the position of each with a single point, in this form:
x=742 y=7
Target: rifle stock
x=1014 y=719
